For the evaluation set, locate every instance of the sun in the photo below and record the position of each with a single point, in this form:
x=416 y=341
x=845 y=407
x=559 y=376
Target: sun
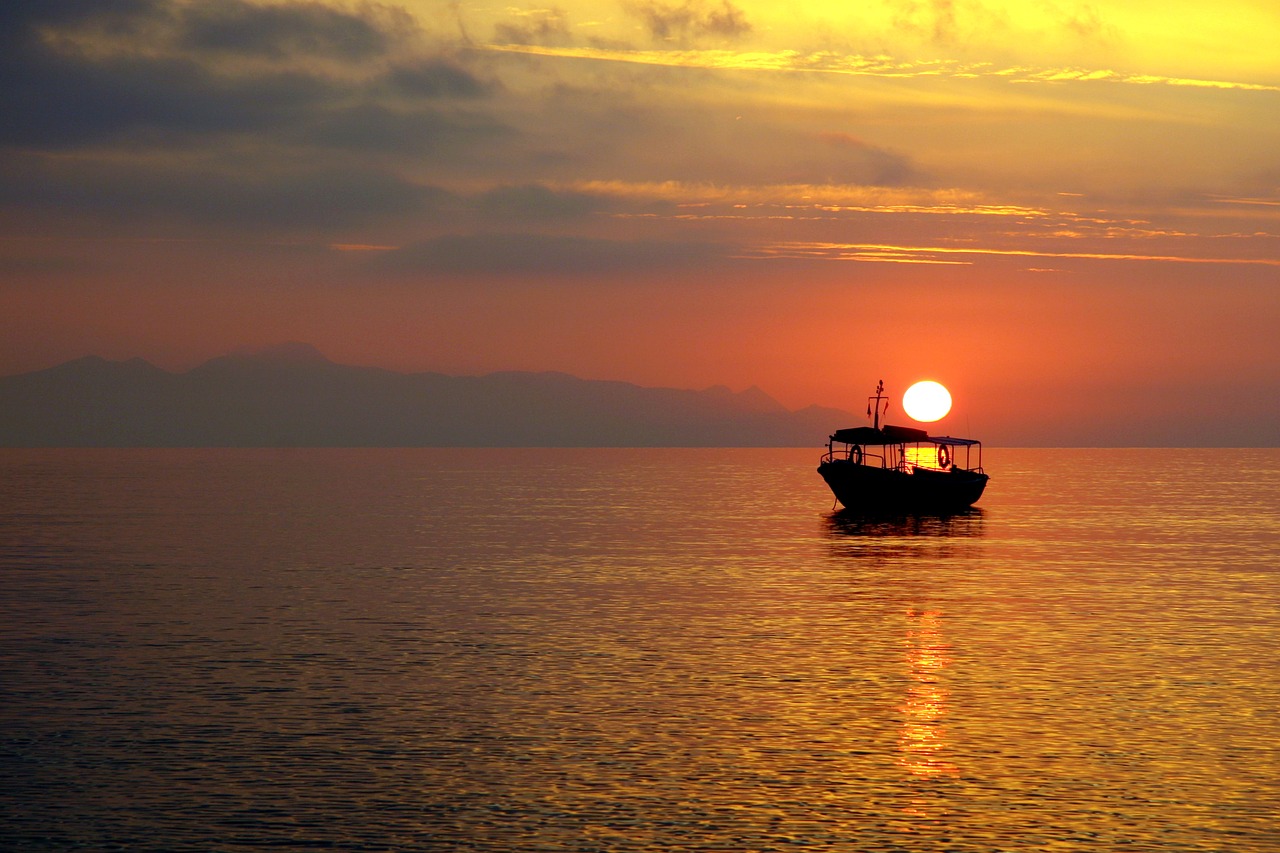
x=926 y=401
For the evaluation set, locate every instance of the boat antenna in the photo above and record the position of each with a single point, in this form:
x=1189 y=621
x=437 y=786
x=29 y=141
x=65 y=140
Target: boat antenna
x=875 y=408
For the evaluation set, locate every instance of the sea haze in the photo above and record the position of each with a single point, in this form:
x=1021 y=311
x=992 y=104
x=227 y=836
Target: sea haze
x=634 y=650
x=292 y=396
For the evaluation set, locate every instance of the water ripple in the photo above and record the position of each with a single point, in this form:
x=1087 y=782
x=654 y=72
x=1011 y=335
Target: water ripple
x=632 y=650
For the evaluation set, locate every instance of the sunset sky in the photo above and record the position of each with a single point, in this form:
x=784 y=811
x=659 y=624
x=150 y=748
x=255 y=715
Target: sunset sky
x=1067 y=212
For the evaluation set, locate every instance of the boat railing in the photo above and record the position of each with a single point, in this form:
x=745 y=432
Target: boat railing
x=903 y=460
x=862 y=456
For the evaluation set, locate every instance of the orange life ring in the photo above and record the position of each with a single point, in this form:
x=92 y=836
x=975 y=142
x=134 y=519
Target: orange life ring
x=944 y=458
x=855 y=455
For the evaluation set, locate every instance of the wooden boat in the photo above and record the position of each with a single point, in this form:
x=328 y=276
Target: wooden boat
x=902 y=469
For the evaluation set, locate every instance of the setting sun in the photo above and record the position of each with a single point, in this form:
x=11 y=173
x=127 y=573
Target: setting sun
x=926 y=401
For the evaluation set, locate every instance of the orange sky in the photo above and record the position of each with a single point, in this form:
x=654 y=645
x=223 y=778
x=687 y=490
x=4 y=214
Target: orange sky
x=1042 y=208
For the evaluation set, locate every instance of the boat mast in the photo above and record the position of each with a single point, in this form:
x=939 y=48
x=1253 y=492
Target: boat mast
x=878 y=397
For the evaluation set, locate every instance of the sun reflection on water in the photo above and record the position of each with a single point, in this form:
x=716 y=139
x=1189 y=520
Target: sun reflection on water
x=878 y=543
x=922 y=743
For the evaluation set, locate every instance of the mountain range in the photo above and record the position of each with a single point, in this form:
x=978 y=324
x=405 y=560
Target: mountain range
x=291 y=395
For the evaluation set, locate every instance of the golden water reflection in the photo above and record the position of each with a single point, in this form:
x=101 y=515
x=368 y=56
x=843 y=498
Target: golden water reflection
x=635 y=651
x=922 y=742
x=885 y=545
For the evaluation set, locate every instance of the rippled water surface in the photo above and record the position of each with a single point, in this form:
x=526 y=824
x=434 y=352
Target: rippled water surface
x=621 y=650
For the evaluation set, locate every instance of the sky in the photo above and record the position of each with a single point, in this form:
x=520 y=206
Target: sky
x=1066 y=212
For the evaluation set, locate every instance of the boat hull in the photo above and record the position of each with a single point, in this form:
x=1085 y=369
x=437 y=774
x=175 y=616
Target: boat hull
x=872 y=489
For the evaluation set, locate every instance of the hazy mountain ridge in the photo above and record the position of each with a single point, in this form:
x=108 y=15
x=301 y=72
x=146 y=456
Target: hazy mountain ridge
x=293 y=396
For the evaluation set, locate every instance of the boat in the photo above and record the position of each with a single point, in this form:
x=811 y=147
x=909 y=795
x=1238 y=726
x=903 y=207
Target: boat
x=902 y=469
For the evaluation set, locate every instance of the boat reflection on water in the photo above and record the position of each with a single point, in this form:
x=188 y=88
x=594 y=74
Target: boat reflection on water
x=847 y=522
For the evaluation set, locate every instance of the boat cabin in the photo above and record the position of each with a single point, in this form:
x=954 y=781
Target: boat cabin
x=904 y=449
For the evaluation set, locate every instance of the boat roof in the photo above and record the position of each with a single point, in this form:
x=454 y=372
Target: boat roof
x=895 y=435
x=953 y=441
x=871 y=435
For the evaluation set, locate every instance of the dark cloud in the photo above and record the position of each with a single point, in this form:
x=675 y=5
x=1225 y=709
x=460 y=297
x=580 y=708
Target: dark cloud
x=58 y=103
x=53 y=95
x=166 y=124
x=238 y=27
x=435 y=78
x=691 y=20
x=60 y=96
x=308 y=197
x=299 y=28
x=23 y=20
x=536 y=254
x=373 y=127
x=849 y=159
x=244 y=194
x=533 y=201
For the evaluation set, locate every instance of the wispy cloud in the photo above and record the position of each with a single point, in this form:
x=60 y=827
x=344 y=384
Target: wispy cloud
x=1251 y=202
x=957 y=255
x=827 y=62
x=818 y=198
x=538 y=254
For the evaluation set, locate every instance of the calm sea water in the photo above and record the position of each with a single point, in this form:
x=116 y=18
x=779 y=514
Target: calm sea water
x=625 y=650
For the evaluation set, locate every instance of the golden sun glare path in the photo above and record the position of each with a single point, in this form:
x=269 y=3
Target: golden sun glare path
x=827 y=62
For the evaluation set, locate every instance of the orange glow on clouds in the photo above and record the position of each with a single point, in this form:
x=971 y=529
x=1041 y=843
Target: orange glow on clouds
x=870 y=66
x=1048 y=199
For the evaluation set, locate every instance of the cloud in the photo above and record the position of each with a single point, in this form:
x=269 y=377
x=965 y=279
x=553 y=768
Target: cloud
x=827 y=200
x=691 y=20
x=858 y=65
x=1087 y=23
x=534 y=201
x=537 y=254
x=69 y=104
x=581 y=200
x=277 y=31
x=863 y=163
x=371 y=127
x=23 y=22
x=228 y=193
x=218 y=112
x=957 y=255
x=71 y=78
x=61 y=84
x=435 y=78
x=535 y=26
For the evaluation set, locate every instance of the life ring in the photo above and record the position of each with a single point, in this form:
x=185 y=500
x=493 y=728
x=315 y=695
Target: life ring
x=944 y=458
x=855 y=455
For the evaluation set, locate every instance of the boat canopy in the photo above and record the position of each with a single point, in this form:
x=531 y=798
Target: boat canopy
x=870 y=435
x=895 y=435
x=952 y=441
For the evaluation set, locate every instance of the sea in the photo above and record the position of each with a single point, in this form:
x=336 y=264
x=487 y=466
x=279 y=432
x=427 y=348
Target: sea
x=634 y=650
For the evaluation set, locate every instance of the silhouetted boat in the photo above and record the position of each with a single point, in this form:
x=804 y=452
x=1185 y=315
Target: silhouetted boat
x=902 y=469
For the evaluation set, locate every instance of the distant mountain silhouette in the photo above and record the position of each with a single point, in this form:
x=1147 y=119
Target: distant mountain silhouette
x=292 y=396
